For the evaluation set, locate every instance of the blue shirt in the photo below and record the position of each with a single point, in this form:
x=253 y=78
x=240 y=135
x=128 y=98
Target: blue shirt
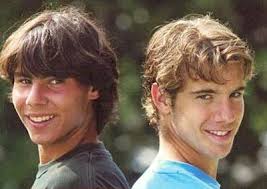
x=165 y=174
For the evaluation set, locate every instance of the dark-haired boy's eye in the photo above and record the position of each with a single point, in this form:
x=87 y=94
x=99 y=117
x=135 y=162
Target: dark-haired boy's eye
x=56 y=81
x=24 y=81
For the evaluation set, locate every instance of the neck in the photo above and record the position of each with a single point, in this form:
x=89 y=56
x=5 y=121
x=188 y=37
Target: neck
x=175 y=150
x=50 y=152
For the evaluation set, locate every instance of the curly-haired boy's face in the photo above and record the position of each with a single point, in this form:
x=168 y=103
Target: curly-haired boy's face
x=52 y=110
x=206 y=116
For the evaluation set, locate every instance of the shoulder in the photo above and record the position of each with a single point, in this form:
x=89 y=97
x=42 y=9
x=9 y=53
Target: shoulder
x=56 y=177
x=107 y=174
x=164 y=178
x=150 y=179
x=82 y=169
x=96 y=169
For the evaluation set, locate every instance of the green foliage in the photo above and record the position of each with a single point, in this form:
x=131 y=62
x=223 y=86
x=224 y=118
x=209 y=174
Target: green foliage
x=130 y=85
x=18 y=160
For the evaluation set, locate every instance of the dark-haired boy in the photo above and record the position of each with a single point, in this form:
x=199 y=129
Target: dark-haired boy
x=64 y=88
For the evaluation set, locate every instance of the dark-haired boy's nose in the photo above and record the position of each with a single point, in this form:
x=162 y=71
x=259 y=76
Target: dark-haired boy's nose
x=36 y=95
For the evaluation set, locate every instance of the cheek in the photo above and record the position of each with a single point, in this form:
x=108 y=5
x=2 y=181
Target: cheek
x=71 y=105
x=239 y=109
x=205 y=115
x=202 y=113
x=16 y=99
x=194 y=115
x=18 y=102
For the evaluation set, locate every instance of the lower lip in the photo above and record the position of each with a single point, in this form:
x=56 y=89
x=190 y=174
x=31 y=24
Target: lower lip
x=39 y=125
x=218 y=138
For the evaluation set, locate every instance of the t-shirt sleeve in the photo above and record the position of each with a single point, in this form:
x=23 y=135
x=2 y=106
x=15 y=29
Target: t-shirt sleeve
x=62 y=178
x=107 y=175
x=109 y=180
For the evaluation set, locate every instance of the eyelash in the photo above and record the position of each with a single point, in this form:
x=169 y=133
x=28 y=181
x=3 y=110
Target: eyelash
x=205 y=97
x=209 y=97
x=236 y=94
x=24 y=81
x=56 y=81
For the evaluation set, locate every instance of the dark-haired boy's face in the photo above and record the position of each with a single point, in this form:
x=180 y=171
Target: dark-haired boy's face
x=206 y=116
x=51 y=109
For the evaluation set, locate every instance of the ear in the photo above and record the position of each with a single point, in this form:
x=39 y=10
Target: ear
x=93 y=94
x=160 y=99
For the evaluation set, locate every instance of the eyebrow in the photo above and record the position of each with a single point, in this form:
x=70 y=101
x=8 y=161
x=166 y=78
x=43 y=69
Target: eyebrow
x=242 y=88
x=211 y=91
x=203 y=91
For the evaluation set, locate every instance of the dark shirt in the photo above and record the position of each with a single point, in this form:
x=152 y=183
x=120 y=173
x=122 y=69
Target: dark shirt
x=89 y=166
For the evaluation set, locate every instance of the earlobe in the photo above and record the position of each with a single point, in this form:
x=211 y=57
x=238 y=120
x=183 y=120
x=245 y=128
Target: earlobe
x=159 y=99
x=93 y=94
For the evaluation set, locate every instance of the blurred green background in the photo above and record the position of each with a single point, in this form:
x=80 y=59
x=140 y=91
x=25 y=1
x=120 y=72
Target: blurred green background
x=129 y=24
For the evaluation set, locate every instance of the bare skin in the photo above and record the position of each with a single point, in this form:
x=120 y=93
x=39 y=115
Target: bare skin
x=201 y=126
x=53 y=152
x=58 y=114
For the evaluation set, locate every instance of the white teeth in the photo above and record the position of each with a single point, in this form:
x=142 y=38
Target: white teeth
x=41 y=118
x=219 y=133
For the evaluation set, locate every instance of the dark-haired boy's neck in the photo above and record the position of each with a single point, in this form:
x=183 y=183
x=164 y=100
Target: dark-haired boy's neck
x=51 y=152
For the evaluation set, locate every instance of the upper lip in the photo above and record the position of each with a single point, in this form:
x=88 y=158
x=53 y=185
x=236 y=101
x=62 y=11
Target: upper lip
x=38 y=114
x=220 y=127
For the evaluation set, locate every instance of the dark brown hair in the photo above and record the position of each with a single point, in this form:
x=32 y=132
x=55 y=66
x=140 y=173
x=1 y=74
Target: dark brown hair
x=65 y=43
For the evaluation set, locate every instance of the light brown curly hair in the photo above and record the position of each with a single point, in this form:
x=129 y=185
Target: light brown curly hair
x=195 y=47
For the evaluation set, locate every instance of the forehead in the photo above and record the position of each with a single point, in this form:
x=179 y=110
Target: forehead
x=232 y=73
x=233 y=70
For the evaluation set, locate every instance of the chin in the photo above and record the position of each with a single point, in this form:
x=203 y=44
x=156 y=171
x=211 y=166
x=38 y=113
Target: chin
x=38 y=140
x=222 y=154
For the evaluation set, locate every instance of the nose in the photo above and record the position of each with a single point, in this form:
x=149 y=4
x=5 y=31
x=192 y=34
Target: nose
x=225 y=112
x=36 y=95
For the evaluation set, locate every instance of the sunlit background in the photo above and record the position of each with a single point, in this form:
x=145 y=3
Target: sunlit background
x=129 y=24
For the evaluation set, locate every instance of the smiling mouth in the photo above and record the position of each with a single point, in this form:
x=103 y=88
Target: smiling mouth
x=218 y=133
x=41 y=119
